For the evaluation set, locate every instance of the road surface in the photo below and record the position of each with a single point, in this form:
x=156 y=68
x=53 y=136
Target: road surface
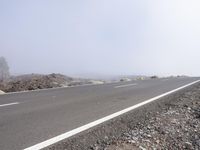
x=33 y=117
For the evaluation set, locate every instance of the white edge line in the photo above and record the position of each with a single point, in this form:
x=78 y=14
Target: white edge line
x=125 y=85
x=99 y=121
x=15 y=103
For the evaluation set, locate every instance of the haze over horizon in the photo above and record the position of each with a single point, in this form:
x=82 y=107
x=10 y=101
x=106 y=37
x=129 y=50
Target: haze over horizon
x=107 y=37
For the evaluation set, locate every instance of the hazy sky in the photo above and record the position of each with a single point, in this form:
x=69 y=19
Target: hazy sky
x=108 y=37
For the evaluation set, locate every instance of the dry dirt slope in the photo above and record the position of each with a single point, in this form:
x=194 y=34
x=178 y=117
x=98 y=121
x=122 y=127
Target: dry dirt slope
x=37 y=81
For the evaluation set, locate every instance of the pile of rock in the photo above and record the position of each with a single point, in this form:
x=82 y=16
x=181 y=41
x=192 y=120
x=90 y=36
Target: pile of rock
x=35 y=81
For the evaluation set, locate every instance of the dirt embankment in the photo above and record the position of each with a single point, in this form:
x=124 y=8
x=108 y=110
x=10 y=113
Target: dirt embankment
x=37 y=81
x=33 y=82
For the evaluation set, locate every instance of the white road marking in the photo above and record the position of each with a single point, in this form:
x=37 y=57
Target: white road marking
x=15 y=103
x=165 y=79
x=126 y=85
x=100 y=121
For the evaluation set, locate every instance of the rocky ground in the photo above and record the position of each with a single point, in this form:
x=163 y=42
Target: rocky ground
x=37 y=81
x=177 y=126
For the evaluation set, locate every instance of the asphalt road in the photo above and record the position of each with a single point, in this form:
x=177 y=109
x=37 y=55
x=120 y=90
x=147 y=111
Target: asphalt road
x=33 y=117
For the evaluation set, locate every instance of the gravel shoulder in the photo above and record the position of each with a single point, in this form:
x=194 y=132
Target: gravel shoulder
x=172 y=122
x=177 y=126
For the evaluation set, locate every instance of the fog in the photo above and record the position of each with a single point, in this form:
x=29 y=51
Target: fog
x=101 y=37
